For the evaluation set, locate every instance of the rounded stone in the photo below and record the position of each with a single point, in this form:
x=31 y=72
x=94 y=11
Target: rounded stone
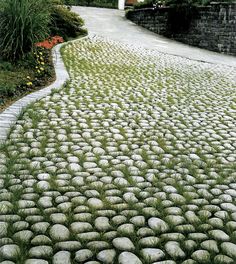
x=3 y=229
x=9 y=251
x=229 y=249
x=210 y=245
x=102 y=223
x=62 y=257
x=219 y=235
x=41 y=252
x=59 y=233
x=123 y=243
x=36 y=261
x=41 y=240
x=80 y=227
x=24 y=236
x=106 y=256
x=83 y=255
x=128 y=257
x=58 y=218
x=222 y=259
x=152 y=254
x=157 y=224
x=95 y=203
x=201 y=256
x=174 y=250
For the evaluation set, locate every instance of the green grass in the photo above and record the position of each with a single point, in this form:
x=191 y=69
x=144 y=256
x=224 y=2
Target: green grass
x=116 y=91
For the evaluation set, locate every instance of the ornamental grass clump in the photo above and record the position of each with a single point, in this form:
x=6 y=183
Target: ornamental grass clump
x=22 y=23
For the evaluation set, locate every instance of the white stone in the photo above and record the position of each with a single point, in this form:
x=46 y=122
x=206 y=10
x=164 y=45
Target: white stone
x=123 y=243
x=80 y=227
x=10 y=251
x=40 y=252
x=128 y=258
x=3 y=229
x=95 y=203
x=157 y=224
x=228 y=207
x=106 y=256
x=83 y=255
x=219 y=235
x=74 y=167
x=23 y=236
x=229 y=248
x=201 y=256
x=59 y=232
x=152 y=254
x=61 y=257
x=210 y=245
x=174 y=250
x=35 y=261
x=102 y=223
x=45 y=202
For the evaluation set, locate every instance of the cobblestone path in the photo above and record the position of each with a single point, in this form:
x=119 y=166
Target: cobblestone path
x=133 y=161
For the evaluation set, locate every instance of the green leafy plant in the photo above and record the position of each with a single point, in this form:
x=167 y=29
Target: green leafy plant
x=23 y=23
x=65 y=23
x=144 y=4
x=7 y=89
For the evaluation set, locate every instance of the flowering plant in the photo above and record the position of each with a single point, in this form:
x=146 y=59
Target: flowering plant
x=50 y=42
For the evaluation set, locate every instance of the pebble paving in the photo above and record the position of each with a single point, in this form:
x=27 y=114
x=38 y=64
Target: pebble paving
x=132 y=161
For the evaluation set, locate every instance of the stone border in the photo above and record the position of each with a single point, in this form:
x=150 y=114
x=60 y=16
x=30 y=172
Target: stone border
x=10 y=115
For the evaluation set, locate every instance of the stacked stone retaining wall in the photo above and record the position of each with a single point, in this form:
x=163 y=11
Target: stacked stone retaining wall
x=212 y=27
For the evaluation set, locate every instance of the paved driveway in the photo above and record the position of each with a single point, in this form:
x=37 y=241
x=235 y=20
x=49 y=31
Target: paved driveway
x=131 y=162
x=113 y=24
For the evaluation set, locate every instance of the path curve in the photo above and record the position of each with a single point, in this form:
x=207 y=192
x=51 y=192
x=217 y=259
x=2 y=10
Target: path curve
x=133 y=161
x=10 y=115
x=112 y=23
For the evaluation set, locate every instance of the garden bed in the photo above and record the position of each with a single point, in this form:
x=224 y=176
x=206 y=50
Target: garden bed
x=25 y=63
x=15 y=81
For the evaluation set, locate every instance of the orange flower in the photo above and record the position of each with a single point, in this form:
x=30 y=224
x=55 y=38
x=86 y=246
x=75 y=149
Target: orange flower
x=50 y=42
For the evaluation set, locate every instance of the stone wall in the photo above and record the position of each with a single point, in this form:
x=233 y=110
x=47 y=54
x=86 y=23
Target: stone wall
x=212 y=27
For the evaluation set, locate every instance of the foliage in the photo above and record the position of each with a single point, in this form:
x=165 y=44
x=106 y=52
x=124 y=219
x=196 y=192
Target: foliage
x=25 y=43
x=23 y=22
x=42 y=66
x=34 y=71
x=6 y=90
x=65 y=23
x=144 y=4
x=11 y=77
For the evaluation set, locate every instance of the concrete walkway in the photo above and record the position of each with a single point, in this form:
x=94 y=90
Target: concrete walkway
x=113 y=24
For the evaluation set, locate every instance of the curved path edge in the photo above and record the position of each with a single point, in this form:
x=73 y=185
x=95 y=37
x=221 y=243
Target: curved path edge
x=9 y=116
x=112 y=24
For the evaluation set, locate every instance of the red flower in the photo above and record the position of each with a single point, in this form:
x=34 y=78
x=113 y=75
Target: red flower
x=50 y=42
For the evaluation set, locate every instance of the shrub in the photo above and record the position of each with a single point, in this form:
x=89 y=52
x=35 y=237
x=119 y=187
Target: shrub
x=23 y=22
x=65 y=23
x=144 y=4
x=6 y=66
x=7 y=90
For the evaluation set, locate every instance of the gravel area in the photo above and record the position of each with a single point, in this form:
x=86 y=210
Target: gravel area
x=133 y=161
